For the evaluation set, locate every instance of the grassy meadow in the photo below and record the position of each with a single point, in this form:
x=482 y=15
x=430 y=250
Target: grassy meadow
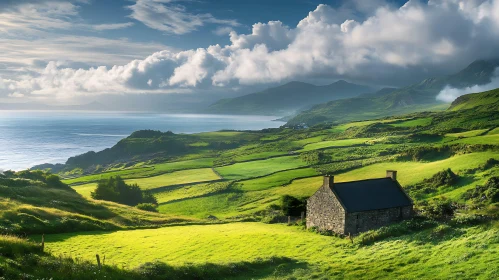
x=259 y=168
x=176 y=178
x=462 y=253
x=220 y=203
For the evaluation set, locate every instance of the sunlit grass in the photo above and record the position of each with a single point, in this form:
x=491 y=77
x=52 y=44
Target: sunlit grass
x=145 y=171
x=470 y=133
x=336 y=143
x=413 y=123
x=467 y=253
x=258 y=168
x=277 y=179
x=85 y=189
x=175 y=178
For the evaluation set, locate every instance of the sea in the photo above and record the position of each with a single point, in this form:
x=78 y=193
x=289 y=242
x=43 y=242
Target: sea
x=36 y=137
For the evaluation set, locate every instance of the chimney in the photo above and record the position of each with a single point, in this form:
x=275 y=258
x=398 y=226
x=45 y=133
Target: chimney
x=391 y=174
x=328 y=180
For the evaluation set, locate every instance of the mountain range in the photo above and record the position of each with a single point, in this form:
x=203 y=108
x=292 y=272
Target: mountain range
x=287 y=99
x=417 y=97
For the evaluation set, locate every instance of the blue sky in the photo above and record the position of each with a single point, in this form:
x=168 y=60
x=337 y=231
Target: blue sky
x=73 y=50
x=246 y=13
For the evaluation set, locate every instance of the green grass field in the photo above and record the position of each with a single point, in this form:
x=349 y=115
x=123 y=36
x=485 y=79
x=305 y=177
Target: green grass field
x=336 y=143
x=412 y=123
x=467 y=253
x=470 y=133
x=257 y=156
x=134 y=172
x=413 y=172
x=277 y=179
x=494 y=131
x=489 y=139
x=182 y=193
x=343 y=127
x=176 y=178
x=191 y=191
x=145 y=171
x=258 y=168
x=311 y=140
x=85 y=189
x=257 y=194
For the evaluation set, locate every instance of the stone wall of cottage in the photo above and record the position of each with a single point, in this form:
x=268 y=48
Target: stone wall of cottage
x=324 y=211
x=363 y=221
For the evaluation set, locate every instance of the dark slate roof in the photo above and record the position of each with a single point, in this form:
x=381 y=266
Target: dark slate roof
x=370 y=194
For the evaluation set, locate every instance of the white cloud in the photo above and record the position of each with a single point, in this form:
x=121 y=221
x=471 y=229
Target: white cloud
x=29 y=18
x=112 y=26
x=223 y=30
x=170 y=17
x=387 y=46
x=16 y=95
x=21 y=56
x=449 y=94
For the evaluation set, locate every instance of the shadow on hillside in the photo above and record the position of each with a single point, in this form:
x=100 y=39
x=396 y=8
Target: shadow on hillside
x=65 y=200
x=432 y=236
x=275 y=267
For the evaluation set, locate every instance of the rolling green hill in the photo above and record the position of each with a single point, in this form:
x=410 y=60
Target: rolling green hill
x=287 y=99
x=483 y=101
x=37 y=202
x=417 y=97
x=234 y=186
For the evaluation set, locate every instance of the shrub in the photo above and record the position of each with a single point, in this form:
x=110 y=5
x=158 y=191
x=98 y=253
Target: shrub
x=430 y=185
x=314 y=157
x=488 y=193
x=413 y=225
x=292 y=206
x=271 y=214
x=438 y=209
x=115 y=189
x=468 y=220
x=32 y=177
x=147 y=207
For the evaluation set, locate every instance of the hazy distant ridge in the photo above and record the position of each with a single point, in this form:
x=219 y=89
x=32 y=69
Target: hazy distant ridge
x=287 y=98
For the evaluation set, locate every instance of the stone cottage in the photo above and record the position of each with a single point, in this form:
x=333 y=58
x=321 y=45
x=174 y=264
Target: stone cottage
x=357 y=206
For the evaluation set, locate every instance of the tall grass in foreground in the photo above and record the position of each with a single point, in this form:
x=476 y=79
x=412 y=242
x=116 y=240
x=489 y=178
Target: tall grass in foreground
x=21 y=259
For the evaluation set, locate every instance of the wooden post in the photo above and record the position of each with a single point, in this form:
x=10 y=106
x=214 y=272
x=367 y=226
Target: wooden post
x=289 y=220
x=302 y=216
x=98 y=260
x=350 y=237
x=43 y=242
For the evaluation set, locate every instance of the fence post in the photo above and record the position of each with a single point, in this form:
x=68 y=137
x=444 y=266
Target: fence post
x=302 y=216
x=289 y=220
x=43 y=242
x=98 y=260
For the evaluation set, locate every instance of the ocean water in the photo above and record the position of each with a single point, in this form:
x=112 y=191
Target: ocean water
x=31 y=138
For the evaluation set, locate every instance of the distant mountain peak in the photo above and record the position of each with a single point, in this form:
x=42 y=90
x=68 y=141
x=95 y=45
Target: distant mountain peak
x=288 y=98
x=294 y=83
x=339 y=82
x=481 y=66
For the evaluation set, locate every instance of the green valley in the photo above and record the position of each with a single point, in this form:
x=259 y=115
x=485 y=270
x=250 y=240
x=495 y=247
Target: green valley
x=223 y=203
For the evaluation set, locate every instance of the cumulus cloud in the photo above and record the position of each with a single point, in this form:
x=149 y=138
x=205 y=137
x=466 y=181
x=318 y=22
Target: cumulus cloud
x=449 y=94
x=390 y=43
x=170 y=17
